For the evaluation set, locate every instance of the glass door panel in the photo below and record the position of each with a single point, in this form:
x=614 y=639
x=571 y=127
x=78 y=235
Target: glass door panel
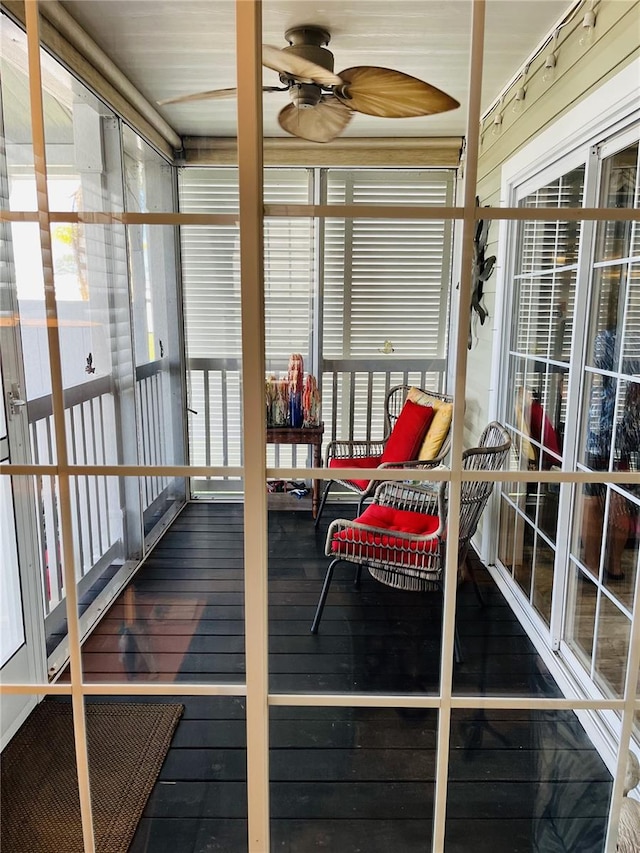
x=537 y=375
x=22 y=654
x=152 y=255
x=604 y=541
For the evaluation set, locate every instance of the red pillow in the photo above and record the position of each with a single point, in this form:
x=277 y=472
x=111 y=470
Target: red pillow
x=356 y=462
x=409 y=431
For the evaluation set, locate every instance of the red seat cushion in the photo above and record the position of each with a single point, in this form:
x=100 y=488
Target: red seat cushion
x=379 y=547
x=400 y=520
x=408 y=433
x=357 y=462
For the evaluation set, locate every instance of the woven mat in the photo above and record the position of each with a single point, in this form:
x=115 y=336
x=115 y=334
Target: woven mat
x=40 y=811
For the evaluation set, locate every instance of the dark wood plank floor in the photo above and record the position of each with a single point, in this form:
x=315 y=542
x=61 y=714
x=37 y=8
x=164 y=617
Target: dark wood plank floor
x=342 y=779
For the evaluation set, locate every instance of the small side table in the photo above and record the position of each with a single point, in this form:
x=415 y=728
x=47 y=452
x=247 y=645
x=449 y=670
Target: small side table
x=311 y=436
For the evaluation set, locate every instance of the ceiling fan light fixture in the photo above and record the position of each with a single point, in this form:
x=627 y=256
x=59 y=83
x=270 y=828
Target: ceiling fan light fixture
x=305 y=96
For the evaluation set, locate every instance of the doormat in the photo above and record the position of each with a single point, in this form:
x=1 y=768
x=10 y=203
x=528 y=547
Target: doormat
x=39 y=802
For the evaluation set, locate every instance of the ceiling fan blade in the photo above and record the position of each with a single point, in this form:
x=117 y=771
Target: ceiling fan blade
x=321 y=123
x=298 y=67
x=391 y=94
x=213 y=94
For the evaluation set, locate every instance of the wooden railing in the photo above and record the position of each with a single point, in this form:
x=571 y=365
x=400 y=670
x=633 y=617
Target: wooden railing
x=94 y=438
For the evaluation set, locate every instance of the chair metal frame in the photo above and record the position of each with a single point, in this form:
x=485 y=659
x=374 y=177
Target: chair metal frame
x=410 y=561
x=342 y=449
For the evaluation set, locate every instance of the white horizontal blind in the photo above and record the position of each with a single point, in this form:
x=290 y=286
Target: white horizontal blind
x=546 y=263
x=289 y=267
x=210 y=269
x=211 y=288
x=387 y=279
x=211 y=275
x=545 y=272
x=383 y=280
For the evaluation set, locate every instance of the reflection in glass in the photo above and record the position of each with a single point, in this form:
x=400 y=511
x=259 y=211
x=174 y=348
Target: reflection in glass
x=532 y=775
x=548 y=513
x=561 y=323
x=523 y=560
x=336 y=770
x=630 y=339
x=598 y=420
x=24 y=260
x=543 y=578
x=15 y=120
x=605 y=351
x=621 y=546
x=180 y=618
x=581 y=614
x=146 y=636
x=11 y=618
x=587 y=526
x=82 y=134
x=612 y=647
x=539 y=413
x=506 y=541
x=517 y=369
x=531 y=501
x=620 y=188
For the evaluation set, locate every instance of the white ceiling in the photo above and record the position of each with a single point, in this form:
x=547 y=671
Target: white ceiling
x=173 y=47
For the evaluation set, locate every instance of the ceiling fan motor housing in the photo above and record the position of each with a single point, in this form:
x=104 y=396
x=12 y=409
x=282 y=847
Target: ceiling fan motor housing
x=307 y=41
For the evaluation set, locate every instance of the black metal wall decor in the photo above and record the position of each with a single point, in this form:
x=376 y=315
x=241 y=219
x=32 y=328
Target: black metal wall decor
x=482 y=269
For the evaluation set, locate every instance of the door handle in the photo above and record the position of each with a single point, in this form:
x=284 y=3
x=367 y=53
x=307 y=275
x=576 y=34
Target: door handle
x=14 y=400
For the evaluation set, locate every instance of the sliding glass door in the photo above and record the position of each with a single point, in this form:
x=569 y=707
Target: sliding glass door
x=573 y=401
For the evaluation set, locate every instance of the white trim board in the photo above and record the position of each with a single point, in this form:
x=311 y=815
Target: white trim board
x=617 y=100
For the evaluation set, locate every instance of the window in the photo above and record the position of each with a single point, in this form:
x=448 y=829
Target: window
x=380 y=280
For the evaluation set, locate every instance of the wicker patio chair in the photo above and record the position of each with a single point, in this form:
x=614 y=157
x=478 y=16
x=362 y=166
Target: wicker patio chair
x=433 y=446
x=401 y=537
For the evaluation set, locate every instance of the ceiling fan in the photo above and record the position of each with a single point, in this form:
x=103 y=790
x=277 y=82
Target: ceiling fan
x=323 y=103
